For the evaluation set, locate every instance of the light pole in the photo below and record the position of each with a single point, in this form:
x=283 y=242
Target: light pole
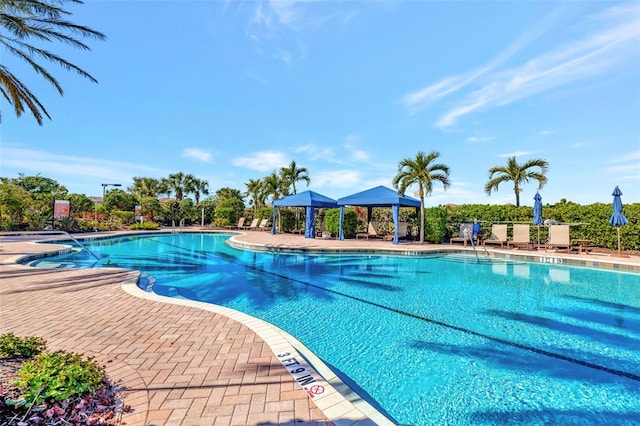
x=104 y=192
x=104 y=189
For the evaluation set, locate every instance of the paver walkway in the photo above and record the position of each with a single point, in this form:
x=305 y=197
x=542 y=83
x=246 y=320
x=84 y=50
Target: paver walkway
x=182 y=365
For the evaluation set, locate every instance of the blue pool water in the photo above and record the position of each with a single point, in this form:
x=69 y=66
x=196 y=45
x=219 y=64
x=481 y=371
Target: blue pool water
x=434 y=339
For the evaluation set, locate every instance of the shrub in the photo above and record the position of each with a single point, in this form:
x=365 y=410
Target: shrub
x=221 y=222
x=235 y=204
x=125 y=217
x=265 y=213
x=226 y=213
x=148 y=226
x=435 y=224
x=349 y=224
x=288 y=219
x=12 y=346
x=86 y=225
x=56 y=376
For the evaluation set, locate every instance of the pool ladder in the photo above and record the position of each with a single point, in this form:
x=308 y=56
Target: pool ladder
x=473 y=244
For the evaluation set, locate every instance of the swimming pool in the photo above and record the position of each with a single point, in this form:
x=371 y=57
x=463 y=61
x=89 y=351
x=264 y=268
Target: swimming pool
x=438 y=339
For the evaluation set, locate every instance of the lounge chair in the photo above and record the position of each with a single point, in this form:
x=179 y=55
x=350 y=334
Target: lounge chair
x=498 y=235
x=372 y=231
x=466 y=232
x=264 y=226
x=402 y=232
x=521 y=236
x=254 y=224
x=558 y=238
x=238 y=226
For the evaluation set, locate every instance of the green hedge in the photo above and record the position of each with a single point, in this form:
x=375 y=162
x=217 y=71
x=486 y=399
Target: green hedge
x=589 y=222
x=349 y=225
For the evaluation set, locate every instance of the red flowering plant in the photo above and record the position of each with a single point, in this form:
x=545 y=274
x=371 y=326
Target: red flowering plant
x=361 y=217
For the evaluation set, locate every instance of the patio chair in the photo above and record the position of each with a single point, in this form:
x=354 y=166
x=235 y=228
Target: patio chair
x=254 y=224
x=466 y=232
x=498 y=235
x=264 y=226
x=239 y=225
x=372 y=231
x=558 y=238
x=521 y=236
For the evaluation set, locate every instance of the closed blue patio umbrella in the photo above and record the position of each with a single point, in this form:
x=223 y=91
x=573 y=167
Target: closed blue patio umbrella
x=617 y=218
x=537 y=214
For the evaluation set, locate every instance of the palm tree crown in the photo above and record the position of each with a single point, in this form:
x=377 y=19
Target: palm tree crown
x=420 y=171
x=518 y=174
x=42 y=20
x=179 y=184
x=254 y=187
x=274 y=186
x=199 y=187
x=146 y=187
x=292 y=174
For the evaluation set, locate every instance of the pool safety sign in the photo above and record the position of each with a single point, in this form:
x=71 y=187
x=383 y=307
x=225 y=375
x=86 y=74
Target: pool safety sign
x=61 y=209
x=299 y=370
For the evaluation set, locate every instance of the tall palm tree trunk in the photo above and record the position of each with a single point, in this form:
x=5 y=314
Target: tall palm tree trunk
x=422 y=219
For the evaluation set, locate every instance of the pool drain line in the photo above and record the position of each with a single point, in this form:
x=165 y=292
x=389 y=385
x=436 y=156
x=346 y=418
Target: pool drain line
x=528 y=348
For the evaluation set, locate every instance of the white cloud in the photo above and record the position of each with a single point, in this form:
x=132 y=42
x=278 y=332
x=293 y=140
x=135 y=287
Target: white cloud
x=356 y=154
x=68 y=167
x=277 y=23
x=630 y=156
x=262 y=161
x=580 y=145
x=423 y=97
x=479 y=138
x=359 y=155
x=516 y=154
x=337 y=178
x=284 y=10
x=626 y=167
x=197 y=154
x=613 y=44
x=315 y=152
x=283 y=55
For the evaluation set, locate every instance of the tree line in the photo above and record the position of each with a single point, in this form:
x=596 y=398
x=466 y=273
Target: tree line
x=28 y=200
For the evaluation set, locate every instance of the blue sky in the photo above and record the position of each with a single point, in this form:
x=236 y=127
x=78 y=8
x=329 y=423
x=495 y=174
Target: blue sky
x=232 y=91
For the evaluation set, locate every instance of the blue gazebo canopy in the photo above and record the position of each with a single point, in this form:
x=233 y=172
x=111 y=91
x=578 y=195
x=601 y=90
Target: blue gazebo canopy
x=380 y=196
x=308 y=199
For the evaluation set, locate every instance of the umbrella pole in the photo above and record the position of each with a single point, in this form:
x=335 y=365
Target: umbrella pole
x=618 y=229
x=538 y=236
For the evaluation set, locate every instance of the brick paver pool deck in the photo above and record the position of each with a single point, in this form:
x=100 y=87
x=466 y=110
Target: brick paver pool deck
x=186 y=363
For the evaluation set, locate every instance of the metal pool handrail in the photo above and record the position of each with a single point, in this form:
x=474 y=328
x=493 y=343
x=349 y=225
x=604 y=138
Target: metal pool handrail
x=51 y=233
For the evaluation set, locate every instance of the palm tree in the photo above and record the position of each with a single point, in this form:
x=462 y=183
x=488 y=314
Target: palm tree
x=253 y=190
x=42 y=20
x=274 y=186
x=199 y=187
x=517 y=173
x=420 y=171
x=179 y=183
x=226 y=193
x=146 y=187
x=293 y=174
